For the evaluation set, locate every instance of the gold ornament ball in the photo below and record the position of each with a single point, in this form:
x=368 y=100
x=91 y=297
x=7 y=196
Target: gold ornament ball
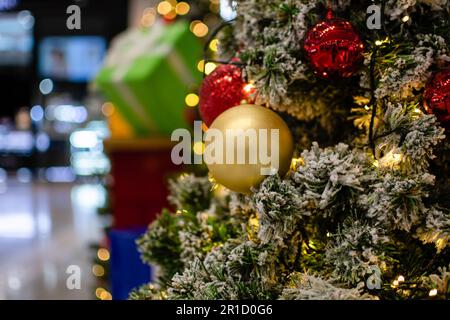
x=241 y=176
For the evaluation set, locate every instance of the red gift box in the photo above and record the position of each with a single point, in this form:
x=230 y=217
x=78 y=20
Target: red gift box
x=140 y=170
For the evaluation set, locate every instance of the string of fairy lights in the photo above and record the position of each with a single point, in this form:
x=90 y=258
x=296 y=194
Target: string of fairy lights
x=98 y=270
x=171 y=9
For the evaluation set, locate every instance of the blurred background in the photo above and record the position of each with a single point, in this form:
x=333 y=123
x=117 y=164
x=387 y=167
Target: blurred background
x=80 y=177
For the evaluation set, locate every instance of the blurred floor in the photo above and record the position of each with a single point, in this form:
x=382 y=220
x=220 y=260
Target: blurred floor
x=44 y=229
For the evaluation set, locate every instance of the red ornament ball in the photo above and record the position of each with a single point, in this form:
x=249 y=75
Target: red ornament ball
x=221 y=90
x=437 y=97
x=334 y=48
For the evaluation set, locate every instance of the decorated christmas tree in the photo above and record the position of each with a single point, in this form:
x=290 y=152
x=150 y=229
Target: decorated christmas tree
x=363 y=211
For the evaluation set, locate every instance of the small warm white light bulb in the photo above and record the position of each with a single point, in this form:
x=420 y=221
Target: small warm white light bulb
x=192 y=100
x=199 y=148
x=201 y=65
x=210 y=67
x=182 y=8
x=433 y=292
x=295 y=163
x=214 y=45
x=248 y=88
x=401 y=279
x=405 y=19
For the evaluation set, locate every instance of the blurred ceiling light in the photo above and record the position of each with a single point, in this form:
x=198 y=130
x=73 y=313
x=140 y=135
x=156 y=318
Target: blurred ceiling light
x=98 y=292
x=46 y=86
x=42 y=142
x=84 y=139
x=90 y=163
x=201 y=65
x=24 y=175
x=59 y=174
x=100 y=127
x=26 y=19
x=17 y=141
x=8 y=4
x=89 y=196
x=37 y=113
x=3 y=175
x=226 y=11
x=214 y=7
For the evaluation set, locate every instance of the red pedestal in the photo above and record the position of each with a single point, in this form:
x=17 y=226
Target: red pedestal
x=140 y=170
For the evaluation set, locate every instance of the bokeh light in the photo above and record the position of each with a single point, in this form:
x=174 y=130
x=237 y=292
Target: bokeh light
x=192 y=100
x=164 y=7
x=210 y=67
x=46 y=86
x=148 y=17
x=199 y=148
x=182 y=8
x=103 y=254
x=201 y=65
x=98 y=270
x=200 y=30
x=214 y=45
x=108 y=109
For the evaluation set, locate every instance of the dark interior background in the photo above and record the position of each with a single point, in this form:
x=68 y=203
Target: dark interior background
x=18 y=85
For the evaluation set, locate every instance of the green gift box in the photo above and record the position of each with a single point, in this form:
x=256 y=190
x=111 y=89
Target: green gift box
x=147 y=74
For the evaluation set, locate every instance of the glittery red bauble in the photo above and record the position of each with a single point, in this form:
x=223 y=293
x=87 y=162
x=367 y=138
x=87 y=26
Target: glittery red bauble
x=437 y=97
x=221 y=90
x=334 y=48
